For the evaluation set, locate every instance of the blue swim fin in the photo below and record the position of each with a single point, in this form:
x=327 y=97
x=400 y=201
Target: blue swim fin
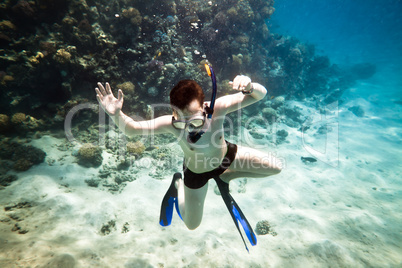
x=169 y=201
x=236 y=213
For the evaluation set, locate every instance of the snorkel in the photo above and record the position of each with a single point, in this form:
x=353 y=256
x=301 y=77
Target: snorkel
x=194 y=136
x=210 y=71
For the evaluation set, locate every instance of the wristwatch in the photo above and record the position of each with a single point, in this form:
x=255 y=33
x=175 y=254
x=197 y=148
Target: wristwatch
x=249 y=89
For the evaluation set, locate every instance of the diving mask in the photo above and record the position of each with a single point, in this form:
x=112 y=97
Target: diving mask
x=194 y=122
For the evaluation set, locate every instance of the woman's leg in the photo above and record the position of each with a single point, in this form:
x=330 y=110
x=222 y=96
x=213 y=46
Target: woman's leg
x=252 y=163
x=191 y=203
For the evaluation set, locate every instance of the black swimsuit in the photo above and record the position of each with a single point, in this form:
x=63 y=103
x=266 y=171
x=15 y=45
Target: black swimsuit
x=197 y=180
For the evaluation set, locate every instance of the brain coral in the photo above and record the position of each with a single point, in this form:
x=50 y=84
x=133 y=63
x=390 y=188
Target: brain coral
x=133 y=14
x=18 y=118
x=127 y=87
x=262 y=228
x=90 y=155
x=135 y=147
x=62 y=56
x=269 y=114
x=277 y=102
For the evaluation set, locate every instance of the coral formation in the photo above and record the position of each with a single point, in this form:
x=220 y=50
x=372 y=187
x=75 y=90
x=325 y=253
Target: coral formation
x=277 y=102
x=5 y=78
x=127 y=87
x=108 y=227
x=23 y=157
x=62 y=56
x=133 y=15
x=22 y=165
x=153 y=91
x=4 y=123
x=6 y=180
x=270 y=114
x=18 y=118
x=263 y=228
x=294 y=116
x=29 y=153
x=281 y=136
x=23 y=122
x=35 y=59
x=136 y=148
x=90 y=155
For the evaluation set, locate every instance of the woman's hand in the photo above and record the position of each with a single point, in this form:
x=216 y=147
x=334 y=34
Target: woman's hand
x=241 y=83
x=107 y=101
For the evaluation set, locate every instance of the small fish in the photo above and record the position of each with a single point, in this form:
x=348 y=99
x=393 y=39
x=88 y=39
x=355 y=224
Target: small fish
x=304 y=128
x=151 y=148
x=308 y=159
x=157 y=55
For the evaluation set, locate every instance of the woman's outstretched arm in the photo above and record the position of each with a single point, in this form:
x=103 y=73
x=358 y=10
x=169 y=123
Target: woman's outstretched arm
x=112 y=106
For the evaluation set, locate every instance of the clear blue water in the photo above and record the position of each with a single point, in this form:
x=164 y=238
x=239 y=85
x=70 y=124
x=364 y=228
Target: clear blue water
x=349 y=32
x=345 y=215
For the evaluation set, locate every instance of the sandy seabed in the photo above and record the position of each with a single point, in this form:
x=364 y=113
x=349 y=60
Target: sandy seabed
x=342 y=211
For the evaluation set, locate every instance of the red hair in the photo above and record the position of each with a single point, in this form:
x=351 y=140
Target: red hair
x=185 y=92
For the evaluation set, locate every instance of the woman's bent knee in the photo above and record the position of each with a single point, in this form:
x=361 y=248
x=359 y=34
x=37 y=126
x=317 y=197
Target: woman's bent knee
x=274 y=166
x=276 y=170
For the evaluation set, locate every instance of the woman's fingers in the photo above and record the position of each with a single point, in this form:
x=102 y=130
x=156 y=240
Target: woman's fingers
x=108 y=90
x=98 y=93
x=236 y=83
x=102 y=89
x=243 y=82
x=240 y=82
x=232 y=84
x=98 y=98
x=120 y=95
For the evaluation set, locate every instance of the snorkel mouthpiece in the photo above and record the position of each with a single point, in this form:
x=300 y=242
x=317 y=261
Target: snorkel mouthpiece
x=194 y=136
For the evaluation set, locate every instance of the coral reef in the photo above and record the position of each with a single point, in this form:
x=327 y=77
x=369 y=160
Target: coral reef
x=59 y=49
x=70 y=44
x=90 y=155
